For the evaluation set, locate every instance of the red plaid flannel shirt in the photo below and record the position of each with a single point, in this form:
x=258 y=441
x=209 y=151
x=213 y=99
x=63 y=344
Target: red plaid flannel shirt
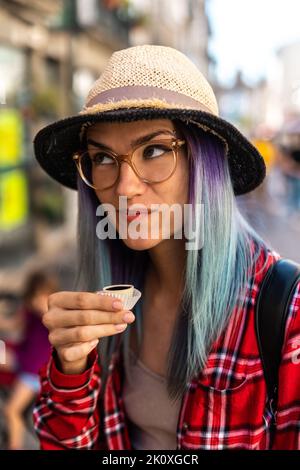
x=225 y=407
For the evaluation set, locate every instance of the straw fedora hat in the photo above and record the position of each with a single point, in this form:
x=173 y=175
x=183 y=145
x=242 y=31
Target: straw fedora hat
x=147 y=82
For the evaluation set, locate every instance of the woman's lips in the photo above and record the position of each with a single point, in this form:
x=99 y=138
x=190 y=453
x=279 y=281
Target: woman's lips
x=133 y=217
x=134 y=214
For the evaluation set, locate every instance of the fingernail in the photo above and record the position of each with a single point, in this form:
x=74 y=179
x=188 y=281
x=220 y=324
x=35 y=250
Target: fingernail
x=120 y=327
x=117 y=304
x=129 y=316
x=93 y=343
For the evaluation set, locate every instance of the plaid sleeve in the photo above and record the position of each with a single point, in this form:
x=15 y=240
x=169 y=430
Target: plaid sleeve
x=287 y=434
x=66 y=415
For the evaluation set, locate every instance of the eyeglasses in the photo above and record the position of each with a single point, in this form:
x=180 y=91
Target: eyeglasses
x=152 y=162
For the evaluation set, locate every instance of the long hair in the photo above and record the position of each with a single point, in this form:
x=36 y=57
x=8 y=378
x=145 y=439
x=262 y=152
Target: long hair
x=215 y=277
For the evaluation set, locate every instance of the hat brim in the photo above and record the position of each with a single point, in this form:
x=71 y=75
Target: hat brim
x=55 y=144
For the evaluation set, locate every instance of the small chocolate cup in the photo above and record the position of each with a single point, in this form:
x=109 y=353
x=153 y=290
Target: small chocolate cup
x=125 y=292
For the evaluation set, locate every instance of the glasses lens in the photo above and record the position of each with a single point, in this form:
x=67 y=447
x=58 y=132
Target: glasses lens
x=154 y=162
x=99 y=168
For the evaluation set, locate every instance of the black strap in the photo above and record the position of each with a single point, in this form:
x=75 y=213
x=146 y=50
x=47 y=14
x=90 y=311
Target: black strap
x=272 y=308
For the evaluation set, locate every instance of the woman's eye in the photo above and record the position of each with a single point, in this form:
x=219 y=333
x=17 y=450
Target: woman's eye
x=102 y=159
x=153 y=151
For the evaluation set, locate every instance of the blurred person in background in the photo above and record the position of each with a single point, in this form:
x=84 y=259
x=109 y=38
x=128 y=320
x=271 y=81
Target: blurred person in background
x=32 y=351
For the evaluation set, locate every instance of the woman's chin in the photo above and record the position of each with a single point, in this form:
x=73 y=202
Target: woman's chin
x=140 y=244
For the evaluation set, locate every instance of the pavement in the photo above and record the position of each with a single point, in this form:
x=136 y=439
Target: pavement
x=267 y=211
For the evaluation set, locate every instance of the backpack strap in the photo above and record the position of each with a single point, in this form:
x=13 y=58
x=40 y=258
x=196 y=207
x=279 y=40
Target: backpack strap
x=272 y=308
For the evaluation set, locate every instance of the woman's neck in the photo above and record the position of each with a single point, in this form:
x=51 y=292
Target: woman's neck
x=167 y=264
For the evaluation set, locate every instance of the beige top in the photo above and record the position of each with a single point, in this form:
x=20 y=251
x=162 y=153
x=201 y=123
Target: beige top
x=152 y=415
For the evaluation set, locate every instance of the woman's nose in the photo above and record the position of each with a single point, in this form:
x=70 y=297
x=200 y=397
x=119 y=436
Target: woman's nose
x=128 y=183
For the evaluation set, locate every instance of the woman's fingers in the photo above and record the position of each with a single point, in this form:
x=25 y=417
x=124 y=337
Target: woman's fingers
x=82 y=301
x=77 y=320
x=57 y=318
x=65 y=336
x=76 y=352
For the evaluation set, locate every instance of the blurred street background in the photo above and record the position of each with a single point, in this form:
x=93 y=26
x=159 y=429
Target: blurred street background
x=51 y=51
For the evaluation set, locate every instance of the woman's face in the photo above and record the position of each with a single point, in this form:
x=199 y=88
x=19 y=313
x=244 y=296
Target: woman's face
x=119 y=137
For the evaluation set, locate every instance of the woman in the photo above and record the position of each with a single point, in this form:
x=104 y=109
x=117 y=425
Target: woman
x=184 y=371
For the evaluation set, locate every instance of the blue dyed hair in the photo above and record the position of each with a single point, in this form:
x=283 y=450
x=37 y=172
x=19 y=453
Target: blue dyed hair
x=216 y=276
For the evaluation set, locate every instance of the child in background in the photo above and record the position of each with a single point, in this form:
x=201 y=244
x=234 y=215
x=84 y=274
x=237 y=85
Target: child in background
x=31 y=353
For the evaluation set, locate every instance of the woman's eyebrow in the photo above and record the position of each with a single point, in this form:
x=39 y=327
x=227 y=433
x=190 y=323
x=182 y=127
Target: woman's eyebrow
x=138 y=141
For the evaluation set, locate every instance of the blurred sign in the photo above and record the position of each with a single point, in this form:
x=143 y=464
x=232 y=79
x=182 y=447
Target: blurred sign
x=266 y=149
x=11 y=137
x=13 y=200
x=13 y=184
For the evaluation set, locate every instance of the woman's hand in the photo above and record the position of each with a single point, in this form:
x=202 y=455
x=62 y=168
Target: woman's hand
x=76 y=321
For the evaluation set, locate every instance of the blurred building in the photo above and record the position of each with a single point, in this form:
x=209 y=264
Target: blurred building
x=271 y=101
x=235 y=102
x=276 y=99
x=289 y=79
x=182 y=24
x=50 y=53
